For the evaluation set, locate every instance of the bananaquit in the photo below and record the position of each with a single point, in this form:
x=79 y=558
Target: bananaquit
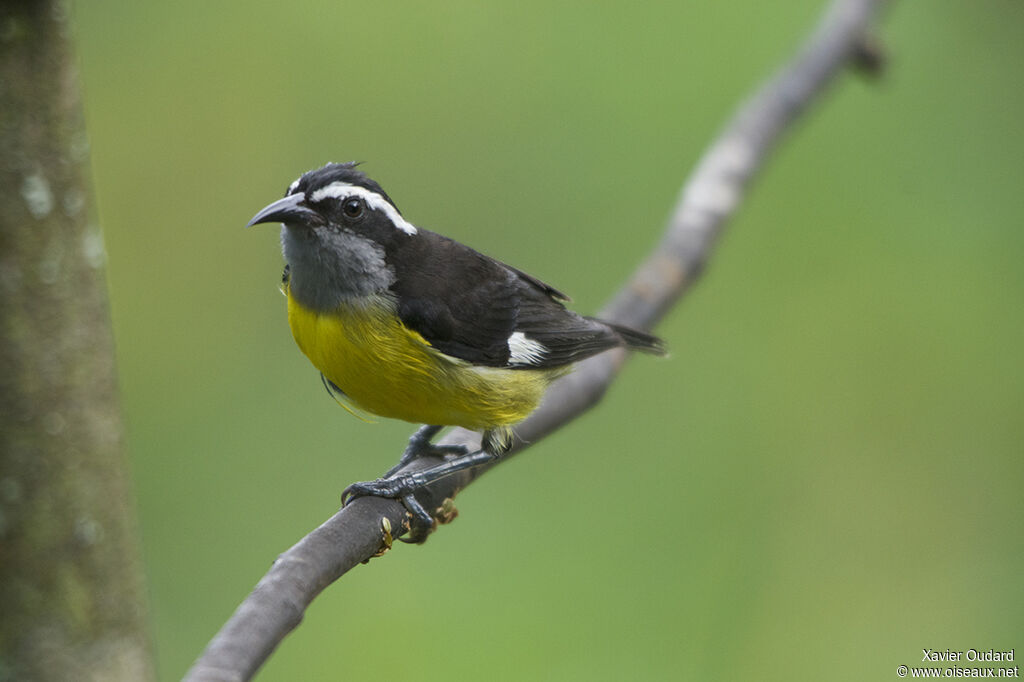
x=405 y=323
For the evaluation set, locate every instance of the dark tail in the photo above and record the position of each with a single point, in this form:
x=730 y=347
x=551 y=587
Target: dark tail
x=638 y=340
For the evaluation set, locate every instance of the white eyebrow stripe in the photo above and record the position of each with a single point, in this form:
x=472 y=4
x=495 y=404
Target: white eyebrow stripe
x=339 y=189
x=524 y=351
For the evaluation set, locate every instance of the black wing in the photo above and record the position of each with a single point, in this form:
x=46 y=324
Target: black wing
x=468 y=305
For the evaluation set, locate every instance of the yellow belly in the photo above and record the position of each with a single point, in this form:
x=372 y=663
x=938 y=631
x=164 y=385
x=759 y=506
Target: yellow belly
x=387 y=369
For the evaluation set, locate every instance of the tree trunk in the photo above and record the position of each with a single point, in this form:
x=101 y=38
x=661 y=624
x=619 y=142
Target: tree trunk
x=71 y=596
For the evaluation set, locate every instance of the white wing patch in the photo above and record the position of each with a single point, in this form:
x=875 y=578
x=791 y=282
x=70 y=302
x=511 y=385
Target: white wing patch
x=524 y=351
x=338 y=190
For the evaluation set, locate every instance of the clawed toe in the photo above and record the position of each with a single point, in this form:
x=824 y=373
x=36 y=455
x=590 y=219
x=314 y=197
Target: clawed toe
x=401 y=487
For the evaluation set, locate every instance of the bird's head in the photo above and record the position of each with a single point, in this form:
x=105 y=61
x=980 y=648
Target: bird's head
x=337 y=226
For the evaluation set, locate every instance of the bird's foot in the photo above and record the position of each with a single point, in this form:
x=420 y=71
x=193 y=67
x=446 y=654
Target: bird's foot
x=399 y=487
x=403 y=486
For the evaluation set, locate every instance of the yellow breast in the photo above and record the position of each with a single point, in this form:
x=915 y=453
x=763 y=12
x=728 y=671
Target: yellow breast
x=387 y=369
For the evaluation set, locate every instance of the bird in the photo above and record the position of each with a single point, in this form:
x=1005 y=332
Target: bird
x=405 y=323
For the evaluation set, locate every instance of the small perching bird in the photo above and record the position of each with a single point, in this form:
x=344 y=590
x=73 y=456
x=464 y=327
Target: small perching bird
x=406 y=323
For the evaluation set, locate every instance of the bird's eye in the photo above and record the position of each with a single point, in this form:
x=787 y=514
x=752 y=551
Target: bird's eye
x=353 y=208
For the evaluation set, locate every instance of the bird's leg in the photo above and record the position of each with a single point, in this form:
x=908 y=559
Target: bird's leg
x=397 y=485
x=420 y=446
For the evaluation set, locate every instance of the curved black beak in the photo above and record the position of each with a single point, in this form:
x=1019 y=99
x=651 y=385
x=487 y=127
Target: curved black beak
x=291 y=209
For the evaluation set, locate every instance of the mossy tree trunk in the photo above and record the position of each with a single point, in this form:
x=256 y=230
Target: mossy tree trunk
x=71 y=597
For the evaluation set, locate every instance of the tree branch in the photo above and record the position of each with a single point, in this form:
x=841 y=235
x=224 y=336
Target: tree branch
x=710 y=196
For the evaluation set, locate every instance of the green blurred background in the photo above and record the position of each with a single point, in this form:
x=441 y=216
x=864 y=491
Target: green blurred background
x=824 y=478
